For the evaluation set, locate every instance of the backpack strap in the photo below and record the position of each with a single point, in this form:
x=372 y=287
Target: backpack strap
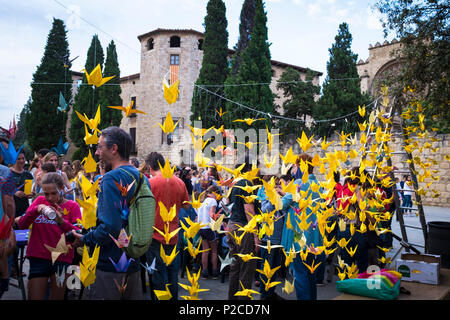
x=138 y=186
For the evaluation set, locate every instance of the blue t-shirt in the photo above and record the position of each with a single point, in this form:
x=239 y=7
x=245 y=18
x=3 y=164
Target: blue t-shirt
x=110 y=217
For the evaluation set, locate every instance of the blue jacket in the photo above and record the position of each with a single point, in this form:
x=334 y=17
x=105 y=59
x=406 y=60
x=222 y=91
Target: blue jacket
x=109 y=220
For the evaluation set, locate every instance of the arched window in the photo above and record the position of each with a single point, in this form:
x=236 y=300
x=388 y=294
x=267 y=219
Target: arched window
x=150 y=44
x=175 y=41
x=200 y=44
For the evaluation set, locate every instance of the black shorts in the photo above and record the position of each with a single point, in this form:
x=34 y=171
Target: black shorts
x=208 y=234
x=43 y=268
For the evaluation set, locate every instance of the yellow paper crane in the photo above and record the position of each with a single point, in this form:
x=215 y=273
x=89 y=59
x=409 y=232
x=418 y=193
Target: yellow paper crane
x=163 y=294
x=267 y=270
x=268 y=163
x=248 y=121
x=246 y=292
x=89 y=218
x=128 y=109
x=167 y=215
x=194 y=288
x=195 y=202
x=171 y=91
x=312 y=267
x=270 y=138
x=192 y=228
x=89 y=189
x=89 y=163
x=288 y=286
x=289 y=157
x=325 y=145
x=61 y=248
x=168 y=259
x=289 y=257
x=221 y=113
x=90 y=138
x=168 y=126
x=193 y=251
x=88 y=266
x=304 y=142
x=247 y=257
x=92 y=123
x=96 y=78
x=166 y=234
x=167 y=171
x=362 y=111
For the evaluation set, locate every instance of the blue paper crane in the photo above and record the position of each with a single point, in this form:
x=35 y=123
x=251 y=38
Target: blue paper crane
x=10 y=154
x=63 y=104
x=62 y=148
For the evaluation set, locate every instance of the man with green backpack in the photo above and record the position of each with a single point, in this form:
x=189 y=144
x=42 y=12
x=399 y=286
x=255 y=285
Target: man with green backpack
x=126 y=202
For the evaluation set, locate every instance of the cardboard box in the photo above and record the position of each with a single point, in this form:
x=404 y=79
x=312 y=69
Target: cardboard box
x=423 y=268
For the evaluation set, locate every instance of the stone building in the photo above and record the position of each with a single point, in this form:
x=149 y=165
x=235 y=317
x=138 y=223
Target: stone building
x=383 y=61
x=171 y=54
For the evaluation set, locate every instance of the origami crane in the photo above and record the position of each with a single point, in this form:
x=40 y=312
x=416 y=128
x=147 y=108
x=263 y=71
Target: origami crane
x=304 y=142
x=92 y=123
x=167 y=215
x=123 y=263
x=194 y=288
x=267 y=270
x=195 y=202
x=167 y=234
x=167 y=171
x=168 y=259
x=194 y=251
x=226 y=261
x=89 y=163
x=221 y=113
x=88 y=266
x=268 y=163
x=89 y=138
x=247 y=257
x=171 y=91
x=150 y=268
x=248 y=121
x=63 y=104
x=246 y=292
x=289 y=157
x=168 y=126
x=192 y=229
x=61 y=148
x=128 y=109
x=163 y=294
x=288 y=286
x=123 y=240
x=10 y=154
x=95 y=77
x=61 y=248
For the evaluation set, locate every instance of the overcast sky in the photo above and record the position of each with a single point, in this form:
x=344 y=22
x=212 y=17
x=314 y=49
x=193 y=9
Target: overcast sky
x=301 y=32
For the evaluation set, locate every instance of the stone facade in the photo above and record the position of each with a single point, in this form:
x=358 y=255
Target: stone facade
x=146 y=87
x=383 y=59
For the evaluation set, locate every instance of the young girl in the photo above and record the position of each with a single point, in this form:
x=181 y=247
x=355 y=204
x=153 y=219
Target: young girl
x=48 y=231
x=209 y=237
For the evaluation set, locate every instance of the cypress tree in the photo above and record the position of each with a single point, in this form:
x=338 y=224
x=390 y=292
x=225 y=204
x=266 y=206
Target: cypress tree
x=340 y=97
x=251 y=85
x=245 y=30
x=299 y=103
x=86 y=100
x=44 y=123
x=109 y=93
x=214 y=68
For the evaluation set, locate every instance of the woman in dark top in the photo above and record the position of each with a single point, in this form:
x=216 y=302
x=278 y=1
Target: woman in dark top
x=19 y=175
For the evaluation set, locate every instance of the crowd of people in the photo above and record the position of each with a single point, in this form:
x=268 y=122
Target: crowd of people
x=198 y=195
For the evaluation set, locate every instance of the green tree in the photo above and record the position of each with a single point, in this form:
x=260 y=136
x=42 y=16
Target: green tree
x=87 y=100
x=341 y=97
x=21 y=135
x=44 y=123
x=245 y=29
x=251 y=85
x=214 y=68
x=299 y=103
x=109 y=94
x=423 y=30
